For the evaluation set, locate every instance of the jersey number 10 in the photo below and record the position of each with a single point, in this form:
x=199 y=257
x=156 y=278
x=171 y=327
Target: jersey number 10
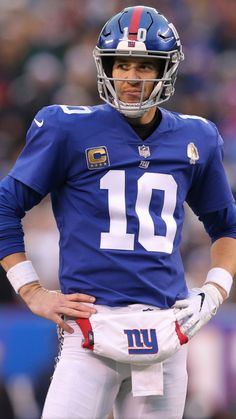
x=117 y=237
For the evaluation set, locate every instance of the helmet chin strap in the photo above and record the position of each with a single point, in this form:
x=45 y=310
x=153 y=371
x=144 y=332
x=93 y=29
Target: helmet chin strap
x=127 y=110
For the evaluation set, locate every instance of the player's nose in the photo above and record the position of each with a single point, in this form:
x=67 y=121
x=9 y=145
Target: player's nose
x=132 y=73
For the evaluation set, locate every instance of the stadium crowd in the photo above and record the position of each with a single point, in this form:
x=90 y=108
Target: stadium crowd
x=46 y=58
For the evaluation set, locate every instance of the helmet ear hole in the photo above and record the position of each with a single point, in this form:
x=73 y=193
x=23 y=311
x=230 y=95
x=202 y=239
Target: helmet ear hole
x=161 y=64
x=107 y=63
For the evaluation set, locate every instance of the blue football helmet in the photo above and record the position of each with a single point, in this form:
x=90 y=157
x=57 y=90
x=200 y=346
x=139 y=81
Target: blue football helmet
x=138 y=31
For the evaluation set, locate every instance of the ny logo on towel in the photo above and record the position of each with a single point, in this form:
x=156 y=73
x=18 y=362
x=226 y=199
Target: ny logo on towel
x=141 y=341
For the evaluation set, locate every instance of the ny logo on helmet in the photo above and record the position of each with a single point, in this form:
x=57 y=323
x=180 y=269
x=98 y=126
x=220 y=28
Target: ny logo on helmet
x=131 y=44
x=141 y=341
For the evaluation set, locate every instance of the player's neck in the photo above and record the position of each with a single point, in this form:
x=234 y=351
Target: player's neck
x=144 y=130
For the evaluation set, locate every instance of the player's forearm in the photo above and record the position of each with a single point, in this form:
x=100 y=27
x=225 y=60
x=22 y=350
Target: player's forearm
x=223 y=255
x=9 y=261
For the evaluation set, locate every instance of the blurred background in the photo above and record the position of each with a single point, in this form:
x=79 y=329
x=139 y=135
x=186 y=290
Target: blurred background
x=46 y=58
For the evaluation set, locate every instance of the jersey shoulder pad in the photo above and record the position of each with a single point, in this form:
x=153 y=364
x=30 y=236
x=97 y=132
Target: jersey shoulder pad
x=46 y=126
x=198 y=122
x=59 y=115
x=46 y=117
x=202 y=127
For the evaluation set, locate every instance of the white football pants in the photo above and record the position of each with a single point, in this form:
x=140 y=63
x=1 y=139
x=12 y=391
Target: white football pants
x=87 y=386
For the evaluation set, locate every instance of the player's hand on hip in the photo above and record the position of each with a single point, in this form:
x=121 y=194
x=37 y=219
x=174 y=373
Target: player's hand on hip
x=196 y=310
x=53 y=304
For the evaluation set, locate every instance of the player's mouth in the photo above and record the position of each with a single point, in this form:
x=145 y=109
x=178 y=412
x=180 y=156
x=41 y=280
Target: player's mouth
x=133 y=95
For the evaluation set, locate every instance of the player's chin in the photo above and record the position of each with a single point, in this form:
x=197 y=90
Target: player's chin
x=130 y=98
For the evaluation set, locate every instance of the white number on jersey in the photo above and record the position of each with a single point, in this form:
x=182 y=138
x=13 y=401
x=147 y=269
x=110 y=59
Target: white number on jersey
x=194 y=117
x=117 y=237
x=75 y=109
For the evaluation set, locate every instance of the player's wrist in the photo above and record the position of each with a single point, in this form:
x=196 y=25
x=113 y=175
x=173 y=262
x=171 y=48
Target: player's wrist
x=27 y=290
x=221 y=279
x=22 y=274
x=219 y=289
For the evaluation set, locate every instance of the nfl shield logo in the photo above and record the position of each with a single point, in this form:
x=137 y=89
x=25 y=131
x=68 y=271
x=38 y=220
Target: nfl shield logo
x=144 y=151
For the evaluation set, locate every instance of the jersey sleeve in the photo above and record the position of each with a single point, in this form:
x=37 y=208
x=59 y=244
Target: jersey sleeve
x=211 y=190
x=42 y=163
x=221 y=223
x=15 y=199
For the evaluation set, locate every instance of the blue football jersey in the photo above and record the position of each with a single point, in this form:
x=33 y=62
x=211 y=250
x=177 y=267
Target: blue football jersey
x=118 y=200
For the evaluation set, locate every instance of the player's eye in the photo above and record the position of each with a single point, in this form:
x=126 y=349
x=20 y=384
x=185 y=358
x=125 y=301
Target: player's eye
x=121 y=66
x=147 y=67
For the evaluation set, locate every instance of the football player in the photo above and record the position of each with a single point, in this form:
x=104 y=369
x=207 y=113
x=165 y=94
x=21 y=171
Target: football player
x=119 y=174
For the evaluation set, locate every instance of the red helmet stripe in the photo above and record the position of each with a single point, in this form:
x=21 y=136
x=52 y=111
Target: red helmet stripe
x=134 y=24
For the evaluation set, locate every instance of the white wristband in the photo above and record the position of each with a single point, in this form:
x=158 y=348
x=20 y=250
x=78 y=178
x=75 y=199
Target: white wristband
x=221 y=277
x=21 y=274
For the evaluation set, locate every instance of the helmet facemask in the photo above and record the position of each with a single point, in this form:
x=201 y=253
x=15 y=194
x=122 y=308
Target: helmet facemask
x=163 y=85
